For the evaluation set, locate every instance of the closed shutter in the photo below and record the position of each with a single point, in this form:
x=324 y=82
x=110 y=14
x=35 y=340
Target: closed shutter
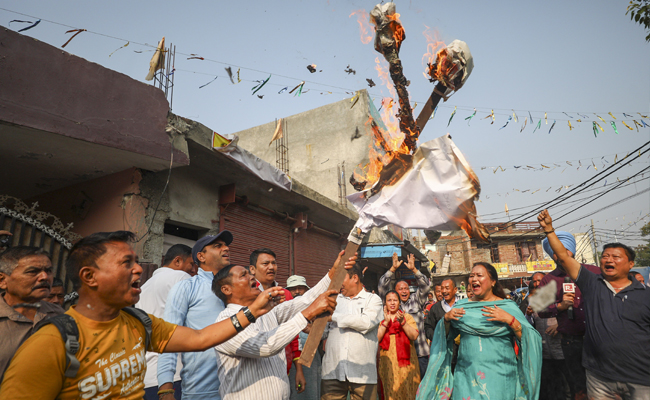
x=314 y=254
x=253 y=230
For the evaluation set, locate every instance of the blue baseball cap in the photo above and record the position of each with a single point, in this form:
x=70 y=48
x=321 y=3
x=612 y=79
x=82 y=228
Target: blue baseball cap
x=226 y=236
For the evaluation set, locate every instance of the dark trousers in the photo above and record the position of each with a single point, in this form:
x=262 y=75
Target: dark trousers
x=151 y=393
x=424 y=363
x=553 y=385
x=572 y=350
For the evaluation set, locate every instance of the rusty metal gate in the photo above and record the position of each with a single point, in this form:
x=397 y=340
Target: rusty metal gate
x=30 y=227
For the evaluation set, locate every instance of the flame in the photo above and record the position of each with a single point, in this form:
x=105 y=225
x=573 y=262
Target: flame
x=396 y=27
x=434 y=44
x=363 y=18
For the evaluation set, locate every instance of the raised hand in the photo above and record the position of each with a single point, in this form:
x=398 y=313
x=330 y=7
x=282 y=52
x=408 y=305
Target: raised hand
x=348 y=264
x=267 y=300
x=545 y=221
x=396 y=262
x=411 y=262
x=326 y=302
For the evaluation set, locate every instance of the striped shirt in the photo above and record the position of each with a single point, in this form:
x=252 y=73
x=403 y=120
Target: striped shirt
x=253 y=364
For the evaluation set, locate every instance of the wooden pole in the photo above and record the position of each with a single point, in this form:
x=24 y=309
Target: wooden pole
x=430 y=105
x=319 y=324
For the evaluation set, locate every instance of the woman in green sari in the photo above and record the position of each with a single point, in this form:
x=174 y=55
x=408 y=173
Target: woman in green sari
x=490 y=329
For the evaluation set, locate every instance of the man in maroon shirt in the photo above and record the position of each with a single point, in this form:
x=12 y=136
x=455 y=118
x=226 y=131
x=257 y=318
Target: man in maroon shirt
x=570 y=322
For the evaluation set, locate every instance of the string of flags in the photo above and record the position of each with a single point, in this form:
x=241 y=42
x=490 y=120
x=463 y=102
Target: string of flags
x=631 y=122
x=581 y=163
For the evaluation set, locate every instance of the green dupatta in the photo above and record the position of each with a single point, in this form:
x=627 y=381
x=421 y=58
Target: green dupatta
x=438 y=383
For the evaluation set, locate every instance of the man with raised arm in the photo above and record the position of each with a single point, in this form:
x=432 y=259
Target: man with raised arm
x=616 y=353
x=111 y=337
x=254 y=365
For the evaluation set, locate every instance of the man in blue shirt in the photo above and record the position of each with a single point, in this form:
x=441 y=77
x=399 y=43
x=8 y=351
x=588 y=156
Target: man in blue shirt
x=192 y=303
x=616 y=352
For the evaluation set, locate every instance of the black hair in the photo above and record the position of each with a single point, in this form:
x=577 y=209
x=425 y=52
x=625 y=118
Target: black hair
x=437 y=284
x=9 y=258
x=628 y=250
x=453 y=284
x=87 y=250
x=497 y=289
x=256 y=253
x=389 y=292
x=56 y=282
x=177 y=250
x=538 y=272
x=221 y=278
x=355 y=270
x=402 y=280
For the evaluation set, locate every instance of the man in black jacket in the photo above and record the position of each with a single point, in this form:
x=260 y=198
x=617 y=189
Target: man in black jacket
x=438 y=310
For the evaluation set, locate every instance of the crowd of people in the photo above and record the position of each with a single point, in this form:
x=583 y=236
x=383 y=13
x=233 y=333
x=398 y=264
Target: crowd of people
x=203 y=328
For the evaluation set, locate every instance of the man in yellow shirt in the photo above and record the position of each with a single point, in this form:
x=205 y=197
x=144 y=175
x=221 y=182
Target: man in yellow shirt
x=104 y=270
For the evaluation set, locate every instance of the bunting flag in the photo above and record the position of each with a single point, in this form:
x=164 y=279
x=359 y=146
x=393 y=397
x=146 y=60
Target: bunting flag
x=643 y=116
x=628 y=126
x=570 y=127
x=595 y=129
x=637 y=125
x=507 y=122
x=73 y=36
x=539 y=125
x=566 y=114
x=531 y=118
x=599 y=127
x=195 y=57
x=452 y=116
x=491 y=115
x=355 y=99
x=600 y=118
x=552 y=126
x=545 y=119
x=278 y=134
x=469 y=119
x=121 y=47
x=260 y=85
x=299 y=85
x=644 y=124
x=612 y=115
x=284 y=89
x=628 y=115
x=514 y=115
x=229 y=72
x=238 y=80
x=202 y=86
x=524 y=126
x=614 y=126
x=28 y=27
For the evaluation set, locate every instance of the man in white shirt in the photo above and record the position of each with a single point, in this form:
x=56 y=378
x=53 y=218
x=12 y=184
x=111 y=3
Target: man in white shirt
x=177 y=266
x=350 y=361
x=254 y=365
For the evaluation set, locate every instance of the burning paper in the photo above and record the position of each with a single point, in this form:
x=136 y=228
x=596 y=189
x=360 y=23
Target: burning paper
x=543 y=297
x=437 y=192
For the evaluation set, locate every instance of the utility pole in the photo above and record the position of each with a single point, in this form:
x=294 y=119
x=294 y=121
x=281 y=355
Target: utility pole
x=593 y=237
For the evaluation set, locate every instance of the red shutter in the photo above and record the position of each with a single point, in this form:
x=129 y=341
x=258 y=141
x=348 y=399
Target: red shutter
x=253 y=230
x=314 y=254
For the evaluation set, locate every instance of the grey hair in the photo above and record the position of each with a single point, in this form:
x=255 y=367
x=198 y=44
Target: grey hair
x=9 y=258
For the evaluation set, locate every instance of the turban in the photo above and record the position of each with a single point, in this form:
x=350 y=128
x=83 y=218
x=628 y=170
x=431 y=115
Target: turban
x=567 y=240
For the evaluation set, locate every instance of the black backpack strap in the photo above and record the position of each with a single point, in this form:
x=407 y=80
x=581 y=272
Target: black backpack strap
x=146 y=321
x=67 y=326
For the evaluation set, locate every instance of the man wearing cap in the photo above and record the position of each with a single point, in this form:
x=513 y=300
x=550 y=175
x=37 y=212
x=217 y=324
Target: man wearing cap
x=192 y=303
x=572 y=330
x=307 y=381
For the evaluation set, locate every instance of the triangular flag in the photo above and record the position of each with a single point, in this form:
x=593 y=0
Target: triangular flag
x=278 y=132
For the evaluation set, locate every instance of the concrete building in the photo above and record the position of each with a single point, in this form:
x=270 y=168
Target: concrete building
x=86 y=149
x=319 y=142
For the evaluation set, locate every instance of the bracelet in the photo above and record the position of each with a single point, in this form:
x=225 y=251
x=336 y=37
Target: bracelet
x=236 y=323
x=512 y=322
x=249 y=315
x=166 y=391
x=382 y=324
x=551 y=231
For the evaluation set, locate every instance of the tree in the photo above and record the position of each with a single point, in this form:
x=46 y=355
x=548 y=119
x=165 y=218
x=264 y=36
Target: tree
x=643 y=251
x=639 y=11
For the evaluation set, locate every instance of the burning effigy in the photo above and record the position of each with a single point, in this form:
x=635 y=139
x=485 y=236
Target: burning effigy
x=427 y=187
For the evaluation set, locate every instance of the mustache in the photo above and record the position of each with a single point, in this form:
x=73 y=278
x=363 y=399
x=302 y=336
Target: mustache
x=42 y=285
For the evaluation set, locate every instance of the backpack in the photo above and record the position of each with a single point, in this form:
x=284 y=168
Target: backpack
x=67 y=326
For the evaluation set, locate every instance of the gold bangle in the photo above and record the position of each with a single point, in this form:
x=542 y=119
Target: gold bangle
x=166 y=391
